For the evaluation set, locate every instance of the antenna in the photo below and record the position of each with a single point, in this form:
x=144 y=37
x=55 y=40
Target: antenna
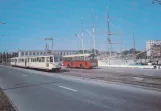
x=93 y=29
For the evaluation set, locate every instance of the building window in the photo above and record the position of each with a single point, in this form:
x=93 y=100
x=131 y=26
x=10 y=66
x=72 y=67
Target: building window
x=26 y=53
x=22 y=53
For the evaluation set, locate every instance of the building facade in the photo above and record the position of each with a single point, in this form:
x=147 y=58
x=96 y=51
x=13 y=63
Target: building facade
x=42 y=52
x=153 y=48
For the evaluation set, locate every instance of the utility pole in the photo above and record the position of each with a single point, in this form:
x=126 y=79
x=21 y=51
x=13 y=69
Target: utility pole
x=6 y=57
x=2 y=57
x=2 y=24
x=93 y=29
x=52 y=39
x=134 y=45
x=82 y=38
x=108 y=35
x=93 y=33
x=121 y=46
x=160 y=51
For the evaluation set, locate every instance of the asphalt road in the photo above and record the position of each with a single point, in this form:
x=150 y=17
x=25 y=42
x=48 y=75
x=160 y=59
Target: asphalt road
x=122 y=71
x=37 y=91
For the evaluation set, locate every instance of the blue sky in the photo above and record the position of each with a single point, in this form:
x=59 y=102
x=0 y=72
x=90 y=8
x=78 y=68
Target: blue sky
x=29 y=22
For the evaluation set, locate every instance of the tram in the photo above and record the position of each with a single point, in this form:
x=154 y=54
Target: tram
x=46 y=62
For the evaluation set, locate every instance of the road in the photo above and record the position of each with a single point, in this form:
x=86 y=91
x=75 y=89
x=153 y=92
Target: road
x=31 y=90
x=124 y=71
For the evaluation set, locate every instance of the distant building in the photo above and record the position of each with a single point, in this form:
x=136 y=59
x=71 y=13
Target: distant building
x=42 y=52
x=153 y=48
x=156 y=51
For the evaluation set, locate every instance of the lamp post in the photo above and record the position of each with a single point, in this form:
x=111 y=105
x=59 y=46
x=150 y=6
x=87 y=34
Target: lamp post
x=93 y=33
x=81 y=37
x=2 y=24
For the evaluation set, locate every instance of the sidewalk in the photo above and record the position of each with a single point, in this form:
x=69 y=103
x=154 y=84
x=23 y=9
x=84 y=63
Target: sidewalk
x=5 y=104
x=128 y=78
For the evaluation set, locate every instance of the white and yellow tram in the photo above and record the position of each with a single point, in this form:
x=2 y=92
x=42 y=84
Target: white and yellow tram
x=47 y=62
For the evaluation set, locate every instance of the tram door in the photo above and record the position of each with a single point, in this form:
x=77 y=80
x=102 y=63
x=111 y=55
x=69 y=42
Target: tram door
x=16 y=61
x=47 y=61
x=25 y=62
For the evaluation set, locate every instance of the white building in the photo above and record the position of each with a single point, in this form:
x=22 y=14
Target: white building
x=41 y=52
x=150 y=44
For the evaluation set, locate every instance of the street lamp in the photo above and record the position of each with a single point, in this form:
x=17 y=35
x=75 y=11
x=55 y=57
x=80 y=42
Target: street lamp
x=2 y=35
x=94 y=41
x=81 y=38
x=93 y=33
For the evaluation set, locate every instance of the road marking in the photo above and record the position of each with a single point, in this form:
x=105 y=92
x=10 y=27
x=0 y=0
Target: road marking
x=24 y=74
x=68 y=88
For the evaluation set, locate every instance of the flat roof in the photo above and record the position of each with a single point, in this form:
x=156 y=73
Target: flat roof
x=75 y=55
x=35 y=56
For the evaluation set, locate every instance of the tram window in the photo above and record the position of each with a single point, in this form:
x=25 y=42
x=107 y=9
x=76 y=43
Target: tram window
x=47 y=59
x=56 y=59
x=43 y=59
x=69 y=58
x=51 y=59
x=76 y=58
x=81 y=58
x=39 y=59
x=64 y=59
